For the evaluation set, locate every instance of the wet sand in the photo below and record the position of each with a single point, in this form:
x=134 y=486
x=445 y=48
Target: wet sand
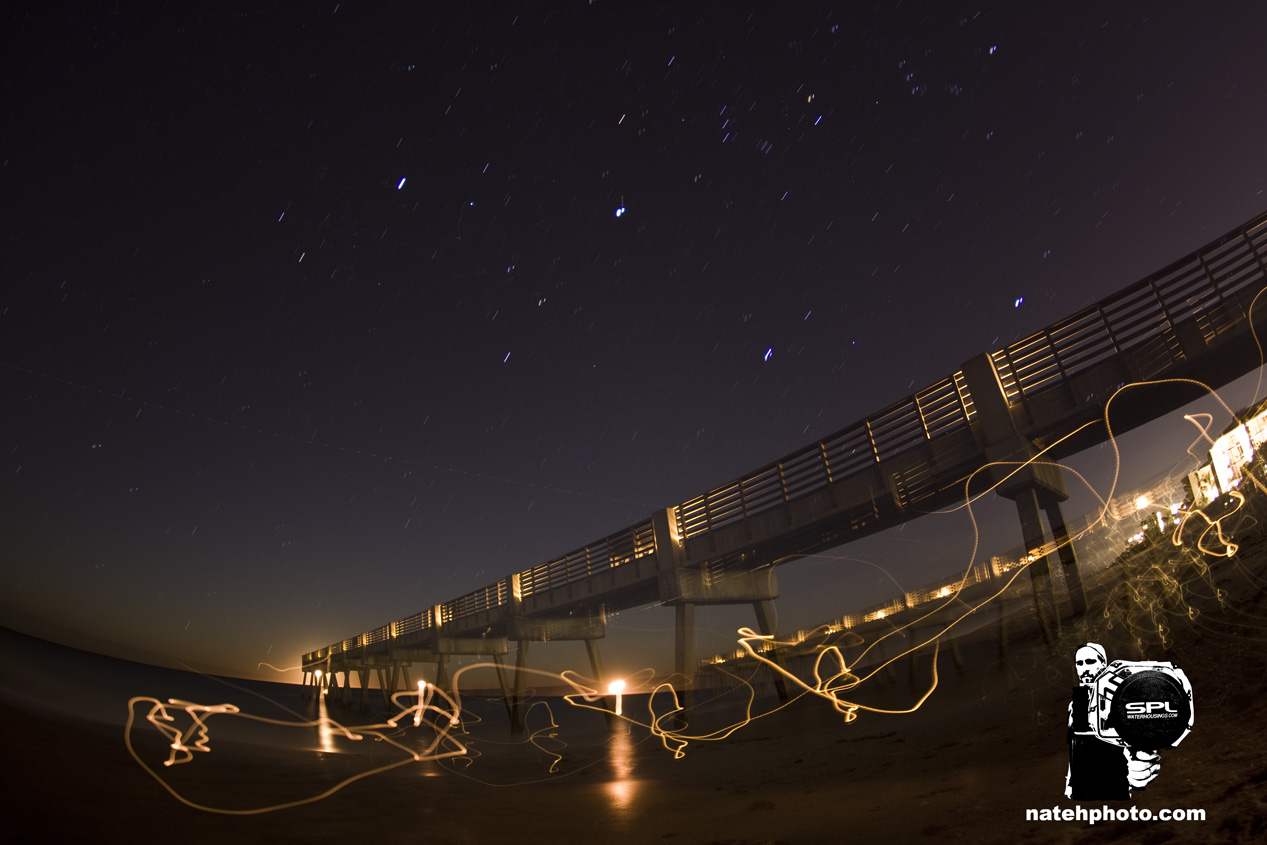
x=988 y=744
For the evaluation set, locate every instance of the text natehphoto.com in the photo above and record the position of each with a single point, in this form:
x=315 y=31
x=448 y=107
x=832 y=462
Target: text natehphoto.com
x=1108 y=814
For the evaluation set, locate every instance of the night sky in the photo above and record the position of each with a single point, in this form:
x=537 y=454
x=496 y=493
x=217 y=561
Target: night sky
x=313 y=315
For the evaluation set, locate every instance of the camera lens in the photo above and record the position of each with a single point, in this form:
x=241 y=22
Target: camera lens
x=1150 y=710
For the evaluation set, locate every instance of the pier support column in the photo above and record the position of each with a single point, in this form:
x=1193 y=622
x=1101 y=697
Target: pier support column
x=512 y=686
x=339 y=690
x=684 y=662
x=442 y=672
x=394 y=678
x=596 y=664
x=1068 y=559
x=1035 y=484
x=1040 y=568
x=364 y=676
x=684 y=585
x=530 y=621
x=384 y=672
x=509 y=697
x=765 y=624
x=882 y=653
x=517 y=689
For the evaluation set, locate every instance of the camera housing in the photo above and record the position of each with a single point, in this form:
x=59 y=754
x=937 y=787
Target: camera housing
x=1143 y=705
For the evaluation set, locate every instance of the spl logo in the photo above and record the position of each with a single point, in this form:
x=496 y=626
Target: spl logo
x=1142 y=704
x=1145 y=708
x=1122 y=714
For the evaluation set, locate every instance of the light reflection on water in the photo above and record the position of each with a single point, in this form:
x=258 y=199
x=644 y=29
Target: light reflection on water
x=325 y=737
x=623 y=789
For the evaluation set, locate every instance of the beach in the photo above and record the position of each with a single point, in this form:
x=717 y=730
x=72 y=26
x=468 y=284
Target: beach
x=987 y=745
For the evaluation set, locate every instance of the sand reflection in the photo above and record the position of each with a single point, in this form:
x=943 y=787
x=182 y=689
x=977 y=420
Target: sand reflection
x=325 y=736
x=623 y=788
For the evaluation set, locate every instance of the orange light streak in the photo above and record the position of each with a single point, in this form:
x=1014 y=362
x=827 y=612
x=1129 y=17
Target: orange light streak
x=833 y=677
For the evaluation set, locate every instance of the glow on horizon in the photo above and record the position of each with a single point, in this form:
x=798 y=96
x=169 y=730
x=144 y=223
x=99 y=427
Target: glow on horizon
x=833 y=675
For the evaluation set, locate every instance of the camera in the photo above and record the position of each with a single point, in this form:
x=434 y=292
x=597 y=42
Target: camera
x=1142 y=705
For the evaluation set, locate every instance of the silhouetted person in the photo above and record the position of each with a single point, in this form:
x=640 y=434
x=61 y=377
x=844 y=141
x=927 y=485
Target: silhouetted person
x=1100 y=770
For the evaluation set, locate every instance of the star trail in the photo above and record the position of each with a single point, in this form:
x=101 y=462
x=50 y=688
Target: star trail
x=317 y=315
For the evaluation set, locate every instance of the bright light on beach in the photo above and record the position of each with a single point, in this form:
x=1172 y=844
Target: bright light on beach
x=615 y=688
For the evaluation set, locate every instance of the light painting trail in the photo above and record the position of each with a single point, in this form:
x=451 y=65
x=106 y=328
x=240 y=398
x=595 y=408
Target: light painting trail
x=1150 y=592
x=442 y=746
